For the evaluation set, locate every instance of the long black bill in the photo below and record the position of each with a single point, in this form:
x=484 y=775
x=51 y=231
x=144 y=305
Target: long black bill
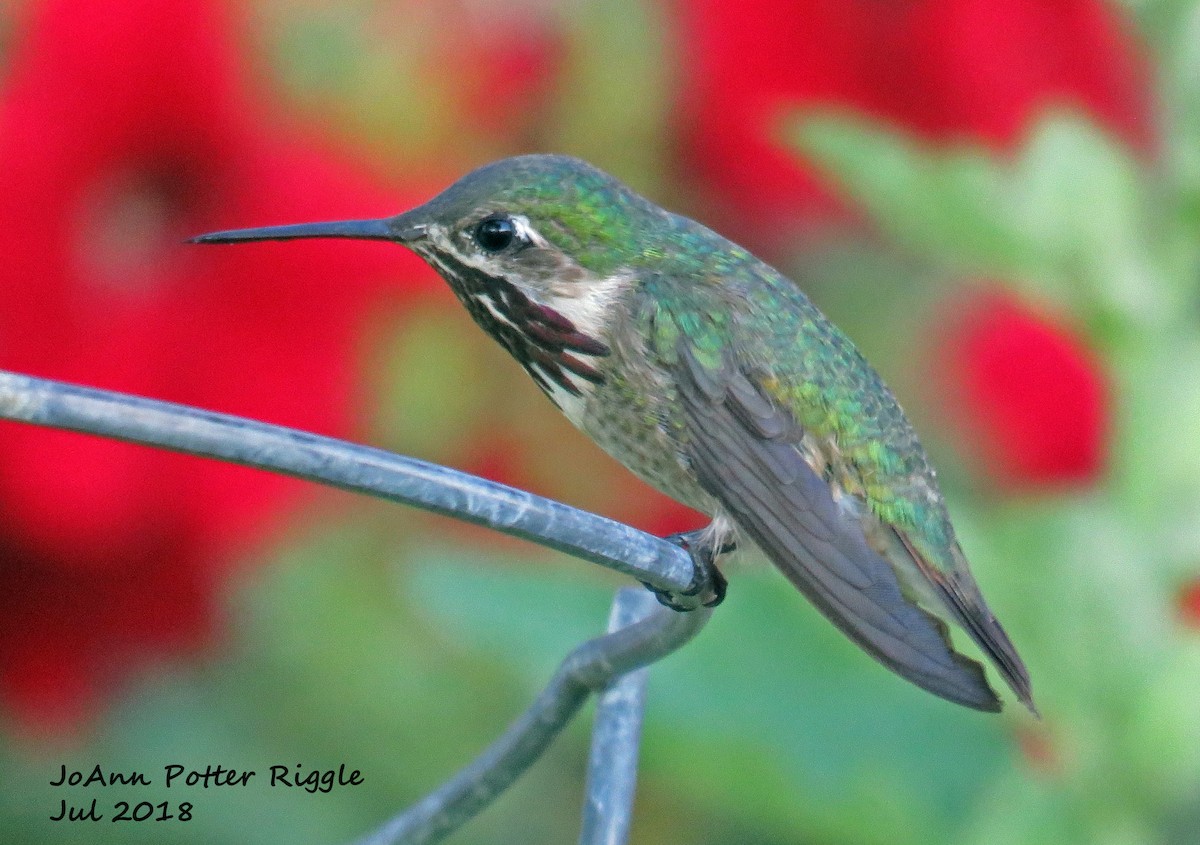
x=395 y=229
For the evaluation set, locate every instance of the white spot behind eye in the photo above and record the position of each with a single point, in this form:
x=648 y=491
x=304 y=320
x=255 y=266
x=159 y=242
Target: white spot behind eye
x=525 y=231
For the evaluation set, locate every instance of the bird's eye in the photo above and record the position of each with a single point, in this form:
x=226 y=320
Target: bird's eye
x=495 y=234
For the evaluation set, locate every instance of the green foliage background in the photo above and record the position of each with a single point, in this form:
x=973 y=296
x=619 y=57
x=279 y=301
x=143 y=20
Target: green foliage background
x=400 y=645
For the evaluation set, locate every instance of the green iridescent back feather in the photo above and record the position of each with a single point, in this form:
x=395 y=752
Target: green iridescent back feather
x=722 y=299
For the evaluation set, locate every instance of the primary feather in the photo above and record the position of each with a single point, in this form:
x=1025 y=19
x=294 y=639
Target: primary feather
x=811 y=457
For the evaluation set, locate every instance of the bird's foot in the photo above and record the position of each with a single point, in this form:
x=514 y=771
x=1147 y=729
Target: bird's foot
x=708 y=584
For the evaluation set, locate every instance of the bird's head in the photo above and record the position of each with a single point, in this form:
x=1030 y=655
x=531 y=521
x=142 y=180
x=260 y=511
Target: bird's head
x=536 y=247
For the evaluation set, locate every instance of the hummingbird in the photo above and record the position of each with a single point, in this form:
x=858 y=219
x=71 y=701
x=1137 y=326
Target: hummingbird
x=711 y=376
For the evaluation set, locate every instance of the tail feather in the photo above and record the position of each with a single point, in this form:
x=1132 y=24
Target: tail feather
x=962 y=599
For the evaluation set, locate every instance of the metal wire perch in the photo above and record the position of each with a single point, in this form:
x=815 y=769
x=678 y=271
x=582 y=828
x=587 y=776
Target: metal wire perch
x=640 y=630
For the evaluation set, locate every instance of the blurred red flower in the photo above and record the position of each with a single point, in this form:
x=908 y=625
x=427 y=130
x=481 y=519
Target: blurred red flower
x=1027 y=395
x=504 y=72
x=943 y=68
x=1189 y=604
x=125 y=126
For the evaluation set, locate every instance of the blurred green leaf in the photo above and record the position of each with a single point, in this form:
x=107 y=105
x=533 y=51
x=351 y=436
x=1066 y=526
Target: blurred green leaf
x=1173 y=27
x=1081 y=200
x=954 y=204
x=769 y=718
x=615 y=108
x=527 y=617
x=1067 y=217
x=414 y=412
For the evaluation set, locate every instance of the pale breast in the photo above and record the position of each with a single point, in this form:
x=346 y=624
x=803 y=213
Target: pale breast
x=630 y=416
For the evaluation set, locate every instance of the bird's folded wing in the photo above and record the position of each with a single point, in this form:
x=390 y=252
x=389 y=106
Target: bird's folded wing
x=743 y=449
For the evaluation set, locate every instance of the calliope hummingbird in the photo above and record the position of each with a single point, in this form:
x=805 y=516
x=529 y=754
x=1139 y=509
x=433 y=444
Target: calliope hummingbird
x=712 y=376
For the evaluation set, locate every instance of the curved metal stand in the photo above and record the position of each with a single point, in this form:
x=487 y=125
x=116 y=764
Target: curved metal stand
x=641 y=631
x=645 y=633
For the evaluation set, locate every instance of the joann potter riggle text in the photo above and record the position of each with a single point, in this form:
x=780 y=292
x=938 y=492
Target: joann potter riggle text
x=175 y=775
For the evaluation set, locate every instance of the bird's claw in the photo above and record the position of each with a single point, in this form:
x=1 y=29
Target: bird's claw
x=706 y=578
